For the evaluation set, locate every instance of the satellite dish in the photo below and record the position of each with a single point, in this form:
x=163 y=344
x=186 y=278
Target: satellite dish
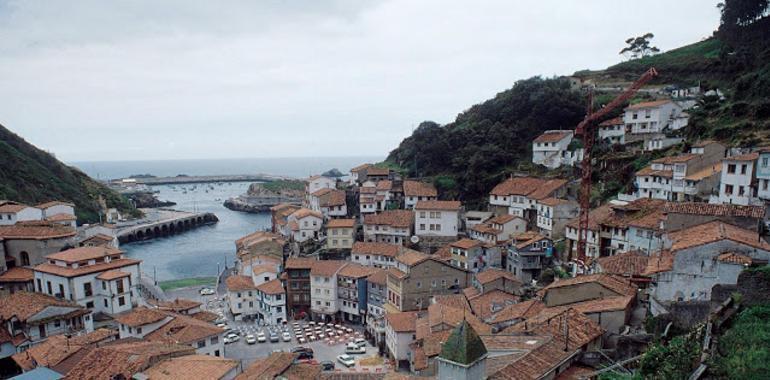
x=414 y=239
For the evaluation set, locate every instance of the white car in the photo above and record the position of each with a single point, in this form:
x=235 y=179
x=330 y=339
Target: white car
x=233 y=337
x=346 y=360
x=261 y=338
x=286 y=337
x=251 y=339
x=207 y=292
x=353 y=348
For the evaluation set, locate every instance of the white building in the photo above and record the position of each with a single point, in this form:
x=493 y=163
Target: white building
x=519 y=195
x=652 y=117
x=272 y=302
x=12 y=212
x=553 y=214
x=358 y=173
x=763 y=174
x=367 y=198
x=400 y=329
x=59 y=212
x=241 y=296
x=437 y=218
x=318 y=182
x=686 y=177
x=415 y=191
x=99 y=278
x=340 y=233
x=737 y=184
x=551 y=149
x=323 y=289
x=329 y=202
x=378 y=255
x=613 y=131
x=305 y=224
x=498 y=229
x=392 y=227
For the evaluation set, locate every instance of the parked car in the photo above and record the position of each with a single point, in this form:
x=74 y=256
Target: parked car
x=286 y=337
x=207 y=292
x=353 y=348
x=346 y=360
x=274 y=337
x=251 y=339
x=327 y=365
x=361 y=342
x=261 y=337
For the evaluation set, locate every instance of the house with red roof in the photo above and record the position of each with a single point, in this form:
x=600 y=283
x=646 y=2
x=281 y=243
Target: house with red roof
x=12 y=212
x=552 y=149
x=652 y=117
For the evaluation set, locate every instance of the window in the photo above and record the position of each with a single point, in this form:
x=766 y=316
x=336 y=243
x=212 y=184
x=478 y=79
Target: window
x=201 y=343
x=731 y=169
x=104 y=285
x=121 y=301
x=87 y=289
x=422 y=227
x=105 y=303
x=90 y=304
x=215 y=340
x=24 y=258
x=119 y=283
x=729 y=189
x=216 y=353
x=744 y=167
x=40 y=286
x=138 y=330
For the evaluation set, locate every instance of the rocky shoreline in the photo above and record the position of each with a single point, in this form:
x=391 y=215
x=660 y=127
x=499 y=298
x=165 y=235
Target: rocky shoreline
x=257 y=199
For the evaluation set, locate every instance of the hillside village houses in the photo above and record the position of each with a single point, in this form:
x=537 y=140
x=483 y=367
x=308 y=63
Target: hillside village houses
x=498 y=229
x=415 y=191
x=553 y=214
x=377 y=255
x=437 y=219
x=318 y=182
x=519 y=195
x=418 y=277
x=329 y=202
x=340 y=233
x=303 y=224
x=391 y=226
x=738 y=185
x=553 y=149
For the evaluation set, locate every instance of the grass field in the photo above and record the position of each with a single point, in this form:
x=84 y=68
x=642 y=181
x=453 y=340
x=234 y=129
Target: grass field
x=186 y=282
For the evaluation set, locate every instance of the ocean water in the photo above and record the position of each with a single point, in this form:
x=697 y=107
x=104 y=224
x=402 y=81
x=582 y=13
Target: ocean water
x=292 y=167
x=199 y=252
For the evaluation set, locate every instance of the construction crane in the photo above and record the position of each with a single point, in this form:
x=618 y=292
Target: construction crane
x=587 y=130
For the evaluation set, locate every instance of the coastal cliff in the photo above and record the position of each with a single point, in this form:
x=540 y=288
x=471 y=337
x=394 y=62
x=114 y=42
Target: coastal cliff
x=261 y=196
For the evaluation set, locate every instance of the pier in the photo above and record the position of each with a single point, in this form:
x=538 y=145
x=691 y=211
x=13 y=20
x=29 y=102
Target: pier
x=161 y=222
x=201 y=179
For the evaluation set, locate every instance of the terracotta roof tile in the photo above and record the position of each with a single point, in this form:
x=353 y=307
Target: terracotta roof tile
x=238 y=283
x=86 y=269
x=126 y=359
x=191 y=367
x=46 y=205
x=269 y=367
x=306 y=212
x=438 y=205
x=17 y=274
x=466 y=243
x=553 y=202
x=617 y=284
x=341 y=223
x=419 y=188
x=378 y=277
x=712 y=232
x=485 y=305
x=735 y=258
x=534 y=188
x=493 y=274
x=624 y=264
x=612 y=122
x=385 y=185
x=112 y=275
x=140 y=316
x=84 y=253
x=743 y=157
x=62 y=217
x=396 y=273
x=302 y=371
x=360 y=167
x=402 y=321
x=205 y=316
x=36 y=231
x=377 y=171
x=331 y=198
x=656 y=103
x=412 y=257
x=553 y=136
x=356 y=271
x=521 y=310
x=698 y=208
x=179 y=305
x=299 y=263
x=393 y=218
x=13 y=207
x=274 y=286
x=678 y=159
x=183 y=329
x=24 y=305
x=58 y=348
x=327 y=268
x=370 y=248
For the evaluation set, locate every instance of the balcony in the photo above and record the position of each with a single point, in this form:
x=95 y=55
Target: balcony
x=530 y=264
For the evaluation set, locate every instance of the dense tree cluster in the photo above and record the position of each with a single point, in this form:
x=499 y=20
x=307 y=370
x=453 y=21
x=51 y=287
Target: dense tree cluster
x=469 y=156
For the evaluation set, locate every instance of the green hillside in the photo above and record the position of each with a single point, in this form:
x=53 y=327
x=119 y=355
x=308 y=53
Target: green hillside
x=30 y=175
x=491 y=140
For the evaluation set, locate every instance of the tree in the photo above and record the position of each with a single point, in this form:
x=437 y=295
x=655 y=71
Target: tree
x=742 y=12
x=639 y=47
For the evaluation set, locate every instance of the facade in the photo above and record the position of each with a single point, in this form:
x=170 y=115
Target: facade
x=499 y=229
x=27 y=319
x=528 y=255
x=358 y=174
x=378 y=255
x=242 y=297
x=318 y=182
x=153 y=325
x=519 y=195
x=552 y=149
x=392 y=227
x=59 y=212
x=271 y=301
x=297 y=284
x=737 y=185
x=553 y=214
x=469 y=254
x=12 y=212
x=437 y=218
x=329 y=202
x=415 y=191
x=340 y=233
x=279 y=215
x=305 y=224
x=367 y=199
x=324 y=299
x=613 y=131
x=352 y=292
x=652 y=117
x=400 y=329
x=377 y=293
x=763 y=175
x=418 y=277
x=26 y=244
x=99 y=278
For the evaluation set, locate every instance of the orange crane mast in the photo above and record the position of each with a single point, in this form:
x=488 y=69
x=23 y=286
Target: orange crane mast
x=587 y=130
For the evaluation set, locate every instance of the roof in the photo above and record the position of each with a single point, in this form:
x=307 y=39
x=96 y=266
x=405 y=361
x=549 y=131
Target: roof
x=274 y=286
x=753 y=156
x=698 y=208
x=46 y=205
x=706 y=172
x=341 y=223
x=612 y=122
x=237 y=283
x=522 y=242
x=493 y=274
x=360 y=167
x=36 y=231
x=370 y=248
x=648 y=171
x=595 y=217
x=715 y=231
x=438 y=205
x=305 y=212
x=419 y=189
x=466 y=243
x=385 y=185
x=183 y=329
x=86 y=269
x=25 y=305
x=61 y=217
x=327 y=268
x=356 y=271
x=582 y=329
x=734 y=258
x=484 y=305
x=126 y=359
x=402 y=321
x=536 y=363
x=379 y=276
x=112 y=275
x=598 y=305
x=178 y=305
x=652 y=104
x=614 y=283
x=140 y=316
x=503 y=219
x=13 y=207
x=535 y=188
x=299 y=263
x=663 y=262
x=331 y=198
x=669 y=160
x=553 y=202
x=376 y=170
x=624 y=264
x=191 y=367
x=17 y=274
x=411 y=257
x=396 y=273
x=393 y=218
x=39 y=373
x=463 y=346
x=74 y=255
x=521 y=310
x=259 y=236
x=553 y=136
x=58 y=348
x=269 y=367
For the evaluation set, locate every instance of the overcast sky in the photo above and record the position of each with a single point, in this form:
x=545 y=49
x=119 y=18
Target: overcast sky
x=131 y=80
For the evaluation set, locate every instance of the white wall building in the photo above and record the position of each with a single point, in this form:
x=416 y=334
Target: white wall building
x=613 y=131
x=305 y=224
x=241 y=296
x=12 y=212
x=651 y=117
x=551 y=149
x=378 y=255
x=392 y=226
x=272 y=302
x=737 y=183
x=437 y=218
x=415 y=191
x=323 y=289
x=99 y=278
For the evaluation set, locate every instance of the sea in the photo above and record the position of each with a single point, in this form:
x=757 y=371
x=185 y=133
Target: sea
x=202 y=252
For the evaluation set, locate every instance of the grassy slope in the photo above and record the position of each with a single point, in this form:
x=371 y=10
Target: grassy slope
x=30 y=175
